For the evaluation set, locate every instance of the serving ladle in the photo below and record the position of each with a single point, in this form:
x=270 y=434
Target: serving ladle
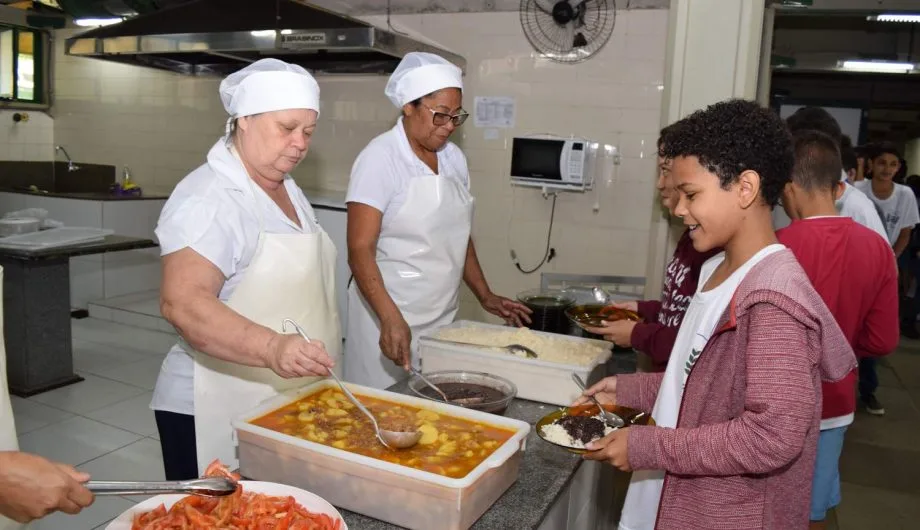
x=390 y=439
x=457 y=401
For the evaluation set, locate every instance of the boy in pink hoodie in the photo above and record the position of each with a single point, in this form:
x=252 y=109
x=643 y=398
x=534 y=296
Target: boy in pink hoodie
x=737 y=410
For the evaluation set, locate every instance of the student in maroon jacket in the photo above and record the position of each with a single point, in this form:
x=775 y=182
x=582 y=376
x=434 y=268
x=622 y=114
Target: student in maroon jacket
x=829 y=247
x=661 y=318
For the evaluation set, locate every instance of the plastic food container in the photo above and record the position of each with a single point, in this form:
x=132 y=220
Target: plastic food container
x=397 y=494
x=536 y=380
x=500 y=385
x=56 y=237
x=12 y=226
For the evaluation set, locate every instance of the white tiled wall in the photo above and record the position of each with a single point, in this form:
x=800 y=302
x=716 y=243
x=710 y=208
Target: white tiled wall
x=132 y=271
x=27 y=140
x=161 y=125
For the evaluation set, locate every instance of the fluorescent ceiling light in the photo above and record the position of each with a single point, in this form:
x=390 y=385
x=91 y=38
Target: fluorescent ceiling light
x=877 y=66
x=92 y=22
x=896 y=17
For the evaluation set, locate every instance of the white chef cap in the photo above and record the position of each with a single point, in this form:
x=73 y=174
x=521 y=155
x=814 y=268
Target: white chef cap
x=419 y=74
x=268 y=85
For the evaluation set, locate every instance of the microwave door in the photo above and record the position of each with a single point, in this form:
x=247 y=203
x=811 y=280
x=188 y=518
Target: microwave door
x=537 y=159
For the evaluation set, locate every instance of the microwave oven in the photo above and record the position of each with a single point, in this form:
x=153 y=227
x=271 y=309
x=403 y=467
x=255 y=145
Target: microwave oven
x=560 y=163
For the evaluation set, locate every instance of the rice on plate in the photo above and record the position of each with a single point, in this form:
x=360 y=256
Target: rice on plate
x=576 y=431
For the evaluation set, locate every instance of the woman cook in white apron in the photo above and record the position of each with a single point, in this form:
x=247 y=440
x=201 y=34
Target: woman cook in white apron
x=242 y=251
x=409 y=218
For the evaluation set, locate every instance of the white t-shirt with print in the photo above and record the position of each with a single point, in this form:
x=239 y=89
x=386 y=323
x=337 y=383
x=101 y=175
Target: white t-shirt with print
x=898 y=211
x=641 y=507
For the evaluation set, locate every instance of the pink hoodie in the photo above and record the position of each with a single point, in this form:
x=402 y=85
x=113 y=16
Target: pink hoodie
x=743 y=452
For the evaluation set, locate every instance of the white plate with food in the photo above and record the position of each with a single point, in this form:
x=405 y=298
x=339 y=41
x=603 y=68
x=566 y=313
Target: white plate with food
x=274 y=496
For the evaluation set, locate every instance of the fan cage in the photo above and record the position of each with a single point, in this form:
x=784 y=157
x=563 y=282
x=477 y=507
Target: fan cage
x=558 y=42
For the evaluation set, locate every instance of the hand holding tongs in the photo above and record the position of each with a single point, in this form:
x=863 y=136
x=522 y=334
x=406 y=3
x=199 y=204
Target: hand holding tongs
x=205 y=487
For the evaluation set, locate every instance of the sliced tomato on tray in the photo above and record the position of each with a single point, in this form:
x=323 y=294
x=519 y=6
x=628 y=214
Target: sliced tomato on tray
x=238 y=511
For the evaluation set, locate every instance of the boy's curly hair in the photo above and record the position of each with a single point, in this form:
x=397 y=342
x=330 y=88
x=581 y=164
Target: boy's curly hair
x=734 y=136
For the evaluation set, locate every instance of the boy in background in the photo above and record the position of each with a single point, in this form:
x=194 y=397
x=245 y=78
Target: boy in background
x=894 y=201
x=850 y=202
x=737 y=410
x=655 y=335
x=898 y=208
x=829 y=247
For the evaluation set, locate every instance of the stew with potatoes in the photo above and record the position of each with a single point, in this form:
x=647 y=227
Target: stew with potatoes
x=449 y=446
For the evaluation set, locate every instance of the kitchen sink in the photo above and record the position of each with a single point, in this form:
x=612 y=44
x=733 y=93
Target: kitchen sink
x=54 y=177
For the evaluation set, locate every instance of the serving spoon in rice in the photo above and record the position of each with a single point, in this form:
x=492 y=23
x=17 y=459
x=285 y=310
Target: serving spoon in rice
x=513 y=349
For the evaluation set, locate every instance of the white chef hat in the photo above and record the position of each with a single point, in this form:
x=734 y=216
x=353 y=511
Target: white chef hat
x=268 y=85
x=419 y=74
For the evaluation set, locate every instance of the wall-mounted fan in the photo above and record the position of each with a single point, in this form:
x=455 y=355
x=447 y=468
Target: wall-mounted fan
x=568 y=31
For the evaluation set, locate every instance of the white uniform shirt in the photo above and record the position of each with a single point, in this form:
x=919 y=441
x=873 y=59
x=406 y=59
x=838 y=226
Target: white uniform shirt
x=641 y=507
x=382 y=171
x=214 y=215
x=859 y=207
x=898 y=211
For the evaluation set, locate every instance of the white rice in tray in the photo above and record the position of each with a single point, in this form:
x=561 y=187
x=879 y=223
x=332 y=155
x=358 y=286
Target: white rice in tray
x=549 y=349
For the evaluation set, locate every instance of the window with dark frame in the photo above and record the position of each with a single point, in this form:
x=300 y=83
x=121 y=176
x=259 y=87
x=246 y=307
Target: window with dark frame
x=22 y=66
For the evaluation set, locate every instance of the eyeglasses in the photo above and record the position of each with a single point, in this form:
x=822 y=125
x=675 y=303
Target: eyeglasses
x=441 y=118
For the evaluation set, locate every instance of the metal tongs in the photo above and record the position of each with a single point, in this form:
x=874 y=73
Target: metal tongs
x=204 y=487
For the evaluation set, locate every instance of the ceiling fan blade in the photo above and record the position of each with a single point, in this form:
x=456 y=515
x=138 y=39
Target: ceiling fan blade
x=568 y=40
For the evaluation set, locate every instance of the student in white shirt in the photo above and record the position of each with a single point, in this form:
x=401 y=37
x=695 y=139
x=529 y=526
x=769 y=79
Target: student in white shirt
x=895 y=202
x=898 y=207
x=850 y=202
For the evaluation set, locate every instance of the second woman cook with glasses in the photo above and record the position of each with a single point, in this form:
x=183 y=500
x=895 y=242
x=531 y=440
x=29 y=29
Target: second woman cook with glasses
x=409 y=217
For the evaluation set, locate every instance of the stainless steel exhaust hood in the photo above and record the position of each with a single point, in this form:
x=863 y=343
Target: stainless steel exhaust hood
x=217 y=37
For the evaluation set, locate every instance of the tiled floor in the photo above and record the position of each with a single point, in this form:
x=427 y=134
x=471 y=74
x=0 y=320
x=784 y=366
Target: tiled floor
x=103 y=426
x=880 y=464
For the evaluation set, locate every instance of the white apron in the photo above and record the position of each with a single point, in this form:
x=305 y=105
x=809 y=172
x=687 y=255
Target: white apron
x=421 y=256
x=289 y=276
x=8 y=441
